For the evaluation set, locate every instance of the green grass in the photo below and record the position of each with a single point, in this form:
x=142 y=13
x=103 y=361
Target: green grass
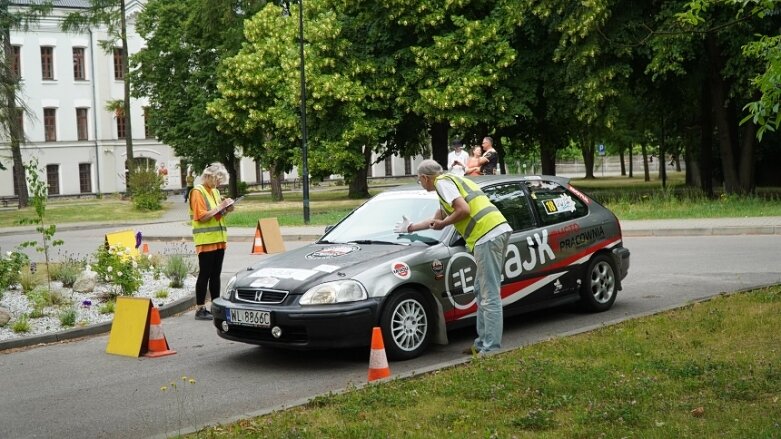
x=60 y=211
x=710 y=369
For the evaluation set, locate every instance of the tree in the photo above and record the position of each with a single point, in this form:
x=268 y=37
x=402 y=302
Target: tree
x=113 y=15
x=177 y=71
x=9 y=84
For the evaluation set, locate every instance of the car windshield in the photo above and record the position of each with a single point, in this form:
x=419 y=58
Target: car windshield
x=373 y=222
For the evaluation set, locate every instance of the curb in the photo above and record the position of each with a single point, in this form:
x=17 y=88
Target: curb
x=171 y=309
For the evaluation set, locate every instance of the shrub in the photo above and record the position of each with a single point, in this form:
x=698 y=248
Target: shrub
x=21 y=325
x=107 y=308
x=117 y=267
x=68 y=317
x=29 y=279
x=11 y=264
x=67 y=272
x=147 y=189
x=176 y=269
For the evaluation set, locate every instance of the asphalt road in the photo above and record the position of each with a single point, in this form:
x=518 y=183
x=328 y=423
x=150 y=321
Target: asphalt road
x=75 y=389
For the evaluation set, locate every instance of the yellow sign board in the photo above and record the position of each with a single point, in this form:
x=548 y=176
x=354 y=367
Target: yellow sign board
x=129 y=326
x=125 y=238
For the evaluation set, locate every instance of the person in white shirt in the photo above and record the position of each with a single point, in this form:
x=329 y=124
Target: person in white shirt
x=456 y=159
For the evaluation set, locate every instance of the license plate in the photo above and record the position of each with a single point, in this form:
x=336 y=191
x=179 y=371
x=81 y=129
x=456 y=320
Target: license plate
x=248 y=317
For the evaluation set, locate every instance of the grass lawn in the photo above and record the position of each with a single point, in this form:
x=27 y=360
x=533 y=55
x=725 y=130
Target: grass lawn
x=710 y=369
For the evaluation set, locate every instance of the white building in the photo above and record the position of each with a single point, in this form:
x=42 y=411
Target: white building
x=67 y=79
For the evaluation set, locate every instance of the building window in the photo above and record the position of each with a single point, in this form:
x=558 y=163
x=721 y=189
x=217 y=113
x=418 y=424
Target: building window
x=20 y=123
x=407 y=166
x=119 y=70
x=78 y=63
x=16 y=66
x=85 y=178
x=121 y=127
x=53 y=179
x=47 y=62
x=81 y=124
x=389 y=166
x=148 y=133
x=50 y=124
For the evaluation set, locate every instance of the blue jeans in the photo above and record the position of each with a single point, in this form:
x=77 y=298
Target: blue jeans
x=489 y=257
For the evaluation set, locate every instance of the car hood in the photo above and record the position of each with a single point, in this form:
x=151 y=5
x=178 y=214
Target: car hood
x=298 y=270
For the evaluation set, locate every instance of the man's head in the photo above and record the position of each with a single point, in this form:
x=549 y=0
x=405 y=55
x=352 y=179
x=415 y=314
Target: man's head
x=457 y=145
x=428 y=170
x=488 y=143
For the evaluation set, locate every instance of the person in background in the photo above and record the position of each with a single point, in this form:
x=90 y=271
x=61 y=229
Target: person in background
x=456 y=159
x=190 y=181
x=490 y=157
x=486 y=233
x=473 y=164
x=208 y=210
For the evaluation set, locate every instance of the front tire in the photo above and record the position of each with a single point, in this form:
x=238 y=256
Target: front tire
x=406 y=325
x=598 y=289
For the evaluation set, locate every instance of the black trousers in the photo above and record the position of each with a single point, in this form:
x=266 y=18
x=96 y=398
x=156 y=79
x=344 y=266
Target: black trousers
x=209 y=270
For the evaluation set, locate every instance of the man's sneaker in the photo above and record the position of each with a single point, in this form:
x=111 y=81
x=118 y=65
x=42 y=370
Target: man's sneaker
x=203 y=314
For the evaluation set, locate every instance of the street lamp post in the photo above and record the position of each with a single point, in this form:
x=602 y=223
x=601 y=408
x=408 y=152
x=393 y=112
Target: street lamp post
x=305 y=166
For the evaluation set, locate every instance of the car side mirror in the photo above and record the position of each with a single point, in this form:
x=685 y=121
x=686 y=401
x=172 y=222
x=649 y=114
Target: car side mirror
x=328 y=228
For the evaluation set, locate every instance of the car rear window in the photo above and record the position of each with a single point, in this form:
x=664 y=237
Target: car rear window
x=554 y=203
x=512 y=201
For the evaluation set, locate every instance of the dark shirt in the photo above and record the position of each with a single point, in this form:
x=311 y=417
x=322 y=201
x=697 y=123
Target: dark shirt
x=493 y=159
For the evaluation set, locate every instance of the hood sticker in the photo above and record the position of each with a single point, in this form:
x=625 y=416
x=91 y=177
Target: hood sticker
x=326 y=268
x=400 y=270
x=284 y=273
x=333 y=251
x=264 y=282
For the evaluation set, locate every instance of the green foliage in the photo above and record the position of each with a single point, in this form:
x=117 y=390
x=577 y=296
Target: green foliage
x=118 y=268
x=11 y=264
x=107 y=308
x=147 y=189
x=68 y=317
x=177 y=267
x=29 y=278
x=161 y=294
x=21 y=325
x=67 y=272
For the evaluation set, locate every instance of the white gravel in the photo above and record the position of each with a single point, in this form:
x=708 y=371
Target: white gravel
x=87 y=305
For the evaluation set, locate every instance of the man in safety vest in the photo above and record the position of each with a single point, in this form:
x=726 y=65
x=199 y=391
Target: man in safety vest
x=486 y=232
x=207 y=211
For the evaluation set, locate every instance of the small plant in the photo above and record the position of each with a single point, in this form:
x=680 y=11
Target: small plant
x=67 y=272
x=161 y=294
x=68 y=317
x=11 y=264
x=182 y=403
x=107 y=308
x=28 y=278
x=117 y=267
x=176 y=269
x=21 y=325
x=147 y=189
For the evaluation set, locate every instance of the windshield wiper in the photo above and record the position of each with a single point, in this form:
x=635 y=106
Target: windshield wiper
x=371 y=241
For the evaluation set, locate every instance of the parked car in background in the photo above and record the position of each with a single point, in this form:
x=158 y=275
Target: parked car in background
x=565 y=248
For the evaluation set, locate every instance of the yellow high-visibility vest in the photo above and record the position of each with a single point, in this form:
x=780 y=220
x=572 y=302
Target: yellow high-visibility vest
x=212 y=231
x=483 y=215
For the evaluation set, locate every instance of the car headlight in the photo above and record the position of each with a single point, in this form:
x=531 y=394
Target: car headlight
x=334 y=292
x=229 y=289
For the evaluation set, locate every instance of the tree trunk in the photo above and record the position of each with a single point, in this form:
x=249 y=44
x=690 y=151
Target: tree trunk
x=275 y=183
x=646 y=171
x=663 y=155
x=706 y=143
x=547 y=159
x=12 y=125
x=439 y=143
x=587 y=151
x=130 y=161
x=631 y=162
x=746 y=168
x=621 y=159
x=720 y=112
x=359 y=185
x=233 y=183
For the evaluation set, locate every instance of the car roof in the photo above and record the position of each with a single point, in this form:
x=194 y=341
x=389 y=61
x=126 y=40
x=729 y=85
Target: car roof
x=485 y=180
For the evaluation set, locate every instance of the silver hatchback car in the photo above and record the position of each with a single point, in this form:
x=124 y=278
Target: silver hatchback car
x=565 y=247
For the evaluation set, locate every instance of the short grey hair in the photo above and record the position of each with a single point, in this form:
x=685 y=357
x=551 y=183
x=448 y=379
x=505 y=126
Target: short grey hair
x=218 y=172
x=429 y=167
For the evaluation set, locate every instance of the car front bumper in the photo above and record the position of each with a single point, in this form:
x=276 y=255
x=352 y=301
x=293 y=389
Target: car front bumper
x=315 y=327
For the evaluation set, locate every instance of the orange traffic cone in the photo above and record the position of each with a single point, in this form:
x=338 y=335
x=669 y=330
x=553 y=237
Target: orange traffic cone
x=378 y=362
x=145 y=249
x=158 y=345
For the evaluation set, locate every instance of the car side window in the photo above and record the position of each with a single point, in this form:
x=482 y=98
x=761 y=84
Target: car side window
x=511 y=200
x=554 y=203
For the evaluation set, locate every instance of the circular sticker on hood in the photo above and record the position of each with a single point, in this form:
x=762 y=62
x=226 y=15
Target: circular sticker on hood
x=400 y=270
x=333 y=251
